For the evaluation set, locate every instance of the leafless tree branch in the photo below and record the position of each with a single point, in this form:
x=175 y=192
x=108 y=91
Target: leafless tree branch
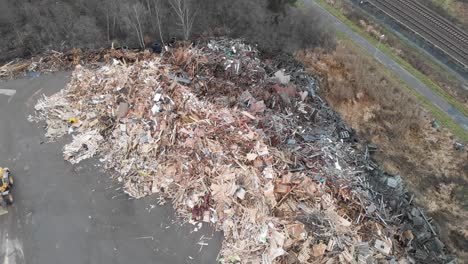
x=185 y=14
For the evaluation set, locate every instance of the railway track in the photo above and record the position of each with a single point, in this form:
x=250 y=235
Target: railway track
x=439 y=21
x=430 y=26
x=425 y=27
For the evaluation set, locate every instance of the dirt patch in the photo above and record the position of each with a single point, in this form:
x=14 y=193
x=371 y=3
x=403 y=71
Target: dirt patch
x=377 y=108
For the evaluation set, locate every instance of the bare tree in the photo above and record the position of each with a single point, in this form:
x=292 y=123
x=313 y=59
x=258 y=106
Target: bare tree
x=185 y=16
x=108 y=26
x=157 y=9
x=40 y=24
x=138 y=25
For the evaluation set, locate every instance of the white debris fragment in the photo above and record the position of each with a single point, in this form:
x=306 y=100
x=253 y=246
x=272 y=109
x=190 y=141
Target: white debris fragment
x=241 y=193
x=337 y=165
x=83 y=146
x=157 y=97
x=155 y=109
x=383 y=247
x=282 y=78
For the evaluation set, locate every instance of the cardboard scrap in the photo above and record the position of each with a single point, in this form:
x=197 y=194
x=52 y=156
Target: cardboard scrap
x=318 y=249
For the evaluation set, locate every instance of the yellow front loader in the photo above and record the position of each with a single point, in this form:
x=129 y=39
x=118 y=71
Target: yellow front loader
x=6 y=183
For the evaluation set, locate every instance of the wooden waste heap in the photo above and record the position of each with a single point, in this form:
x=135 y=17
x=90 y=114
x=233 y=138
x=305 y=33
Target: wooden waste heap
x=235 y=143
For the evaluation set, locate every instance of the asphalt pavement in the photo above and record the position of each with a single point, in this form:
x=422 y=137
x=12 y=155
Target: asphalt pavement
x=77 y=214
x=393 y=66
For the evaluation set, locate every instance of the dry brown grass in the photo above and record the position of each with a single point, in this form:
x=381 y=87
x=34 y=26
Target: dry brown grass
x=186 y=58
x=384 y=114
x=354 y=80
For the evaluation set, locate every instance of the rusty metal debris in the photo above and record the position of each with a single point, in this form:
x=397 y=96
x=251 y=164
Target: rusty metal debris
x=256 y=157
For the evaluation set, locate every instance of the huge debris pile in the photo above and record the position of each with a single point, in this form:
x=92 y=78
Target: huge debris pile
x=235 y=143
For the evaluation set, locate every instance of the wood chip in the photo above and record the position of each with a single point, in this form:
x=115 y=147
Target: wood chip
x=318 y=249
x=247 y=114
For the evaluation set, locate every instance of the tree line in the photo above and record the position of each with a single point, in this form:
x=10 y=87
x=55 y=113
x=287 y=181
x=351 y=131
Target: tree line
x=35 y=25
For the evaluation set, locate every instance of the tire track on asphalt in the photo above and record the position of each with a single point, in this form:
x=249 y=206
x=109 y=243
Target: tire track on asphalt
x=8 y=92
x=11 y=249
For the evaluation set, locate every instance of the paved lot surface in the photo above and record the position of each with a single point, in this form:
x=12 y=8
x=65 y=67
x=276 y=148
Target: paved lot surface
x=76 y=214
x=407 y=77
